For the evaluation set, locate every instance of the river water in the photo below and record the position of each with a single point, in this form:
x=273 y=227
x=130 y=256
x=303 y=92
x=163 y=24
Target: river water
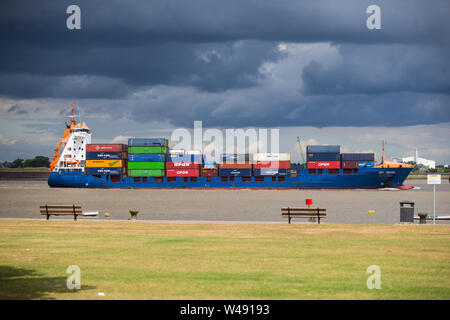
x=21 y=199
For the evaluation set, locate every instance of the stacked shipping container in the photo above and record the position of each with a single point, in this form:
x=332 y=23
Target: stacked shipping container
x=357 y=160
x=235 y=165
x=323 y=157
x=183 y=165
x=147 y=157
x=152 y=158
x=271 y=164
x=105 y=159
x=210 y=169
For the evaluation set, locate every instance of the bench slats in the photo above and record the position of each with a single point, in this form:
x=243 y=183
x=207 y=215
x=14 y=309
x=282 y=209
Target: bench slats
x=60 y=207
x=303 y=209
x=303 y=213
x=61 y=210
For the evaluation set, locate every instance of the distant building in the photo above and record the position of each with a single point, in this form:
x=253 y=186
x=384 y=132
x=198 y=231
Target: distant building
x=427 y=163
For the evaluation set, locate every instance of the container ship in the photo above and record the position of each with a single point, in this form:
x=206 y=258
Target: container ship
x=150 y=163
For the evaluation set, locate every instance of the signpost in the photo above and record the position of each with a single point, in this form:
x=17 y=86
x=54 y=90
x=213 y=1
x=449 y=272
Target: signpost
x=434 y=179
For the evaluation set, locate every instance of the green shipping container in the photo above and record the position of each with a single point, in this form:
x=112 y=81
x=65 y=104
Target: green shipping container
x=146 y=165
x=146 y=173
x=147 y=150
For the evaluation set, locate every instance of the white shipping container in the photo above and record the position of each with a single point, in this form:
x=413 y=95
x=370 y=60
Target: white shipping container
x=271 y=157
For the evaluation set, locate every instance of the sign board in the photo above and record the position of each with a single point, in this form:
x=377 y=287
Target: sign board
x=434 y=179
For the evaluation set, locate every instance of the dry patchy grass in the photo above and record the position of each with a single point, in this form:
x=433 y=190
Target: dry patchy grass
x=144 y=260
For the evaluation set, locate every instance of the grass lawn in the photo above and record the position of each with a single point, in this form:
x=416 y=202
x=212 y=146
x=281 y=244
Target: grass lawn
x=144 y=260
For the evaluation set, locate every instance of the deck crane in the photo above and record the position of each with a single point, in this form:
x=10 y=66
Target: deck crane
x=302 y=156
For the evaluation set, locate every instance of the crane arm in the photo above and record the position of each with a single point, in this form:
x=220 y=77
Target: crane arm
x=301 y=150
x=55 y=158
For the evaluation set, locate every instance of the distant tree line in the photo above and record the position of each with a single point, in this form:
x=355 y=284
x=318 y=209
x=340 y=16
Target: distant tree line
x=420 y=168
x=38 y=161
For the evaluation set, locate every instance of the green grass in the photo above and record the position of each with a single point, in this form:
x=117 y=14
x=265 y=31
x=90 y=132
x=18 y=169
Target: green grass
x=142 y=260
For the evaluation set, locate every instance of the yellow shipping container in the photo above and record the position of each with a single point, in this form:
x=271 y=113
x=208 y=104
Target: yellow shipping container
x=103 y=163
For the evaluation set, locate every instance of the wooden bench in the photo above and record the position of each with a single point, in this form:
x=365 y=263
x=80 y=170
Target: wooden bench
x=303 y=213
x=61 y=210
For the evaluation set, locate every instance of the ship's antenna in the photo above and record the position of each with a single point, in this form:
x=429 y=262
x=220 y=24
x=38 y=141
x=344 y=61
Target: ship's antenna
x=383 y=158
x=73 y=114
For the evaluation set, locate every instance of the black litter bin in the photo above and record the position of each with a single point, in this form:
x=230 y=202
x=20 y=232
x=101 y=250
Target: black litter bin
x=407 y=211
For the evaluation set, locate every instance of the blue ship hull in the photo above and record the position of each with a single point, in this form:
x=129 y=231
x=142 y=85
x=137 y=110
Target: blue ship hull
x=365 y=178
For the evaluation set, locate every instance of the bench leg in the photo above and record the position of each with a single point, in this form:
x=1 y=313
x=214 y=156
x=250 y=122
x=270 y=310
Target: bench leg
x=289 y=219
x=74 y=217
x=48 y=216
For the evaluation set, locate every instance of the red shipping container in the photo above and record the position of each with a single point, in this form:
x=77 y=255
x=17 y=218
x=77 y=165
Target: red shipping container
x=182 y=165
x=210 y=173
x=272 y=164
x=104 y=147
x=236 y=165
x=182 y=173
x=350 y=165
x=324 y=164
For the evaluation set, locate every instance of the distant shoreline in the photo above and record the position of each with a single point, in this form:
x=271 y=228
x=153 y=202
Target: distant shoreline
x=24 y=173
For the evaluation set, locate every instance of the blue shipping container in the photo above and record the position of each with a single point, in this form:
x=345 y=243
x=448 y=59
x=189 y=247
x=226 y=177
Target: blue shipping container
x=358 y=157
x=235 y=172
x=271 y=172
x=235 y=157
x=323 y=156
x=103 y=155
x=152 y=142
x=146 y=157
x=197 y=158
x=366 y=164
x=323 y=149
x=102 y=171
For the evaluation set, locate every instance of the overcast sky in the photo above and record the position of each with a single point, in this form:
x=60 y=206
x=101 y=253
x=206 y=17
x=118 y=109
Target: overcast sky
x=311 y=68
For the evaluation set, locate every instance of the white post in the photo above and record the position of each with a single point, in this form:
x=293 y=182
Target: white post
x=434 y=179
x=434 y=204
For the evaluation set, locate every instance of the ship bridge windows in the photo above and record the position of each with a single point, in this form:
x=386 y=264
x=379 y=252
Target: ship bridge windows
x=82 y=130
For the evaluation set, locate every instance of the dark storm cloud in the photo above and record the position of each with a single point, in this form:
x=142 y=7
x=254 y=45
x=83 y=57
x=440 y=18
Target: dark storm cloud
x=207 y=56
x=132 y=22
x=114 y=72
x=373 y=69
